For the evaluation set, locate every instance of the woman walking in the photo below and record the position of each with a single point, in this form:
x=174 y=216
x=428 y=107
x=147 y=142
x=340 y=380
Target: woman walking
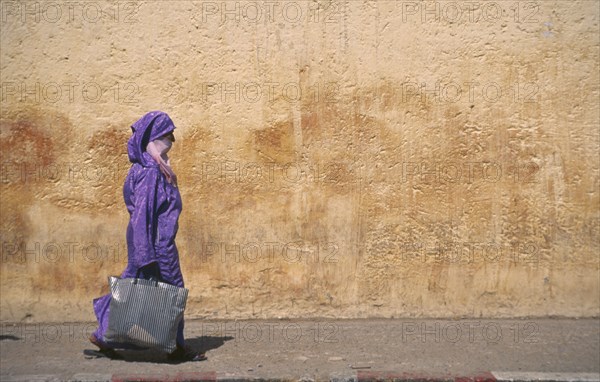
x=154 y=205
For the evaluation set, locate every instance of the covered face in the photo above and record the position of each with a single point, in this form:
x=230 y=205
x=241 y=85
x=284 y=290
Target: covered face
x=151 y=140
x=163 y=145
x=153 y=126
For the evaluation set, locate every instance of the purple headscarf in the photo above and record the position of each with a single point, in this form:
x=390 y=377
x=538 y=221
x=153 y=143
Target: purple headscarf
x=150 y=127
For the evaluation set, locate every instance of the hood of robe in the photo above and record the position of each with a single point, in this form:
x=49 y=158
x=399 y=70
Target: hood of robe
x=151 y=126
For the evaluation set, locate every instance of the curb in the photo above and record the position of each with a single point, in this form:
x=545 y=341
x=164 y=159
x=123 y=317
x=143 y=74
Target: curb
x=358 y=376
x=504 y=376
x=377 y=376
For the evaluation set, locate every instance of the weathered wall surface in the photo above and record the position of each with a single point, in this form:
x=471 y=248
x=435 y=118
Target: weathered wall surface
x=347 y=159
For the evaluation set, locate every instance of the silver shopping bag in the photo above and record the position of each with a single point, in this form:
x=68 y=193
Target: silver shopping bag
x=145 y=313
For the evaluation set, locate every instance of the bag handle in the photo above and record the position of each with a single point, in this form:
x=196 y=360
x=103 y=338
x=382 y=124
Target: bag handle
x=151 y=270
x=135 y=280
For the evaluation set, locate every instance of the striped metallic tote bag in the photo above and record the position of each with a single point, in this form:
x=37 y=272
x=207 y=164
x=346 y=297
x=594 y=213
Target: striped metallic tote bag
x=145 y=313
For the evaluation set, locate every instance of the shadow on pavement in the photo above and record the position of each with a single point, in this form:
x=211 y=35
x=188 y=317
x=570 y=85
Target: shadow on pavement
x=199 y=344
x=206 y=343
x=9 y=337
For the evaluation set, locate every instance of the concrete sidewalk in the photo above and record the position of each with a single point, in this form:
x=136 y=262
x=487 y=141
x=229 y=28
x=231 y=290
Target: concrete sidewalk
x=322 y=350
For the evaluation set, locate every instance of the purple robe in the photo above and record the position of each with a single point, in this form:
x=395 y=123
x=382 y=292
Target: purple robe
x=154 y=206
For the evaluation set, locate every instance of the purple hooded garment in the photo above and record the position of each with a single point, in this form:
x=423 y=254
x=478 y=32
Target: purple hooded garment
x=154 y=206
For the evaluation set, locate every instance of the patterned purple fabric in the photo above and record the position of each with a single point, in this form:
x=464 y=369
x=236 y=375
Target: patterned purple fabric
x=154 y=206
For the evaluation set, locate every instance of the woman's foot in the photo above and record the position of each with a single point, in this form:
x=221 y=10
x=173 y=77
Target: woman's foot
x=186 y=354
x=104 y=350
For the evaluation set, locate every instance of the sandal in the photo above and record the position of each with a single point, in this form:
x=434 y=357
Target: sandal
x=103 y=352
x=186 y=354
